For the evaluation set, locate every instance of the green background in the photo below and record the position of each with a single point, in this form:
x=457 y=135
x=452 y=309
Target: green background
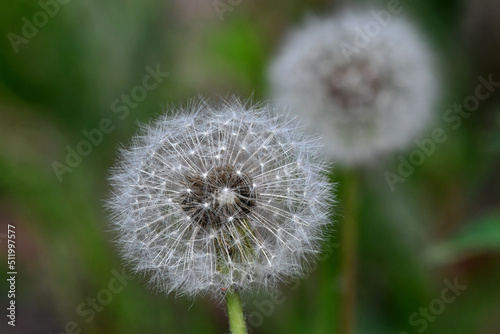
x=442 y=223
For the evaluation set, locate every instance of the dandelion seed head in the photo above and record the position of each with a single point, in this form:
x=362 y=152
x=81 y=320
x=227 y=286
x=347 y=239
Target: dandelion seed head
x=366 y=95
x=231 y=215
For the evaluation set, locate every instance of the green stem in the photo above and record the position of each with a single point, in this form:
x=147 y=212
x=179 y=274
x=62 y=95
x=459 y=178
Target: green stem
x=349 y=255
x=235 y=313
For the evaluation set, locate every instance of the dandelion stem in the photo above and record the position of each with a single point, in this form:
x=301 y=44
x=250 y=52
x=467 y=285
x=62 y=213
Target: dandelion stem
x=349 y=255
x=235 y=313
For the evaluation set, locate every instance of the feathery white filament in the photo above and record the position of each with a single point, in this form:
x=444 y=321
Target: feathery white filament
x=218 y=197
x=365 y=94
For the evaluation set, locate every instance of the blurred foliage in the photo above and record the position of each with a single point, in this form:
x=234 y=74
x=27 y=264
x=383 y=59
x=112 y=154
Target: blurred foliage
x=442 y=223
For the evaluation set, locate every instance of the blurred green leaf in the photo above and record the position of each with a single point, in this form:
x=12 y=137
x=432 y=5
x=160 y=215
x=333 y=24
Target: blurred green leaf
x=477 y=238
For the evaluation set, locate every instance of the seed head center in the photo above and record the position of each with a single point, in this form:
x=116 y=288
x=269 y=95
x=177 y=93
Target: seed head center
x=227 y=197
x=355 y=85
x=222 y=195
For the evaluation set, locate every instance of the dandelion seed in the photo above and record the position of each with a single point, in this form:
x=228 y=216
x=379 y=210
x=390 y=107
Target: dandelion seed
x=366 y=102
x=218 y=230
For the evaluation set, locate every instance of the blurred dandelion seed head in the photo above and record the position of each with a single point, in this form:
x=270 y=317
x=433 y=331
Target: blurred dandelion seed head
x=220 y=196
x=365 y=94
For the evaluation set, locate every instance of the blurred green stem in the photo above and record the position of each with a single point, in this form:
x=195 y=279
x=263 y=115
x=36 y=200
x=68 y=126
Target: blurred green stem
x=349 y=255
x=235 y=313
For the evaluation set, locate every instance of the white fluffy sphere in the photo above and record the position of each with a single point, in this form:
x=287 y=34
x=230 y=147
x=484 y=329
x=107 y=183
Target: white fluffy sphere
x=220 y=196
x=366 y=84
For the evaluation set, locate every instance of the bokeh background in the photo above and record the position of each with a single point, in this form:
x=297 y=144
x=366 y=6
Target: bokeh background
x=442 y=223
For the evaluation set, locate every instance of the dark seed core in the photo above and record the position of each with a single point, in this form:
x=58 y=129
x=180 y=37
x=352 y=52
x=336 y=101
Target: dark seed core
x=349 y=94
x=222 y=196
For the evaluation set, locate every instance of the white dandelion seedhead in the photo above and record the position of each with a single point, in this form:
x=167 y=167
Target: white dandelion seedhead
x=366 y=93
x=219 y=197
